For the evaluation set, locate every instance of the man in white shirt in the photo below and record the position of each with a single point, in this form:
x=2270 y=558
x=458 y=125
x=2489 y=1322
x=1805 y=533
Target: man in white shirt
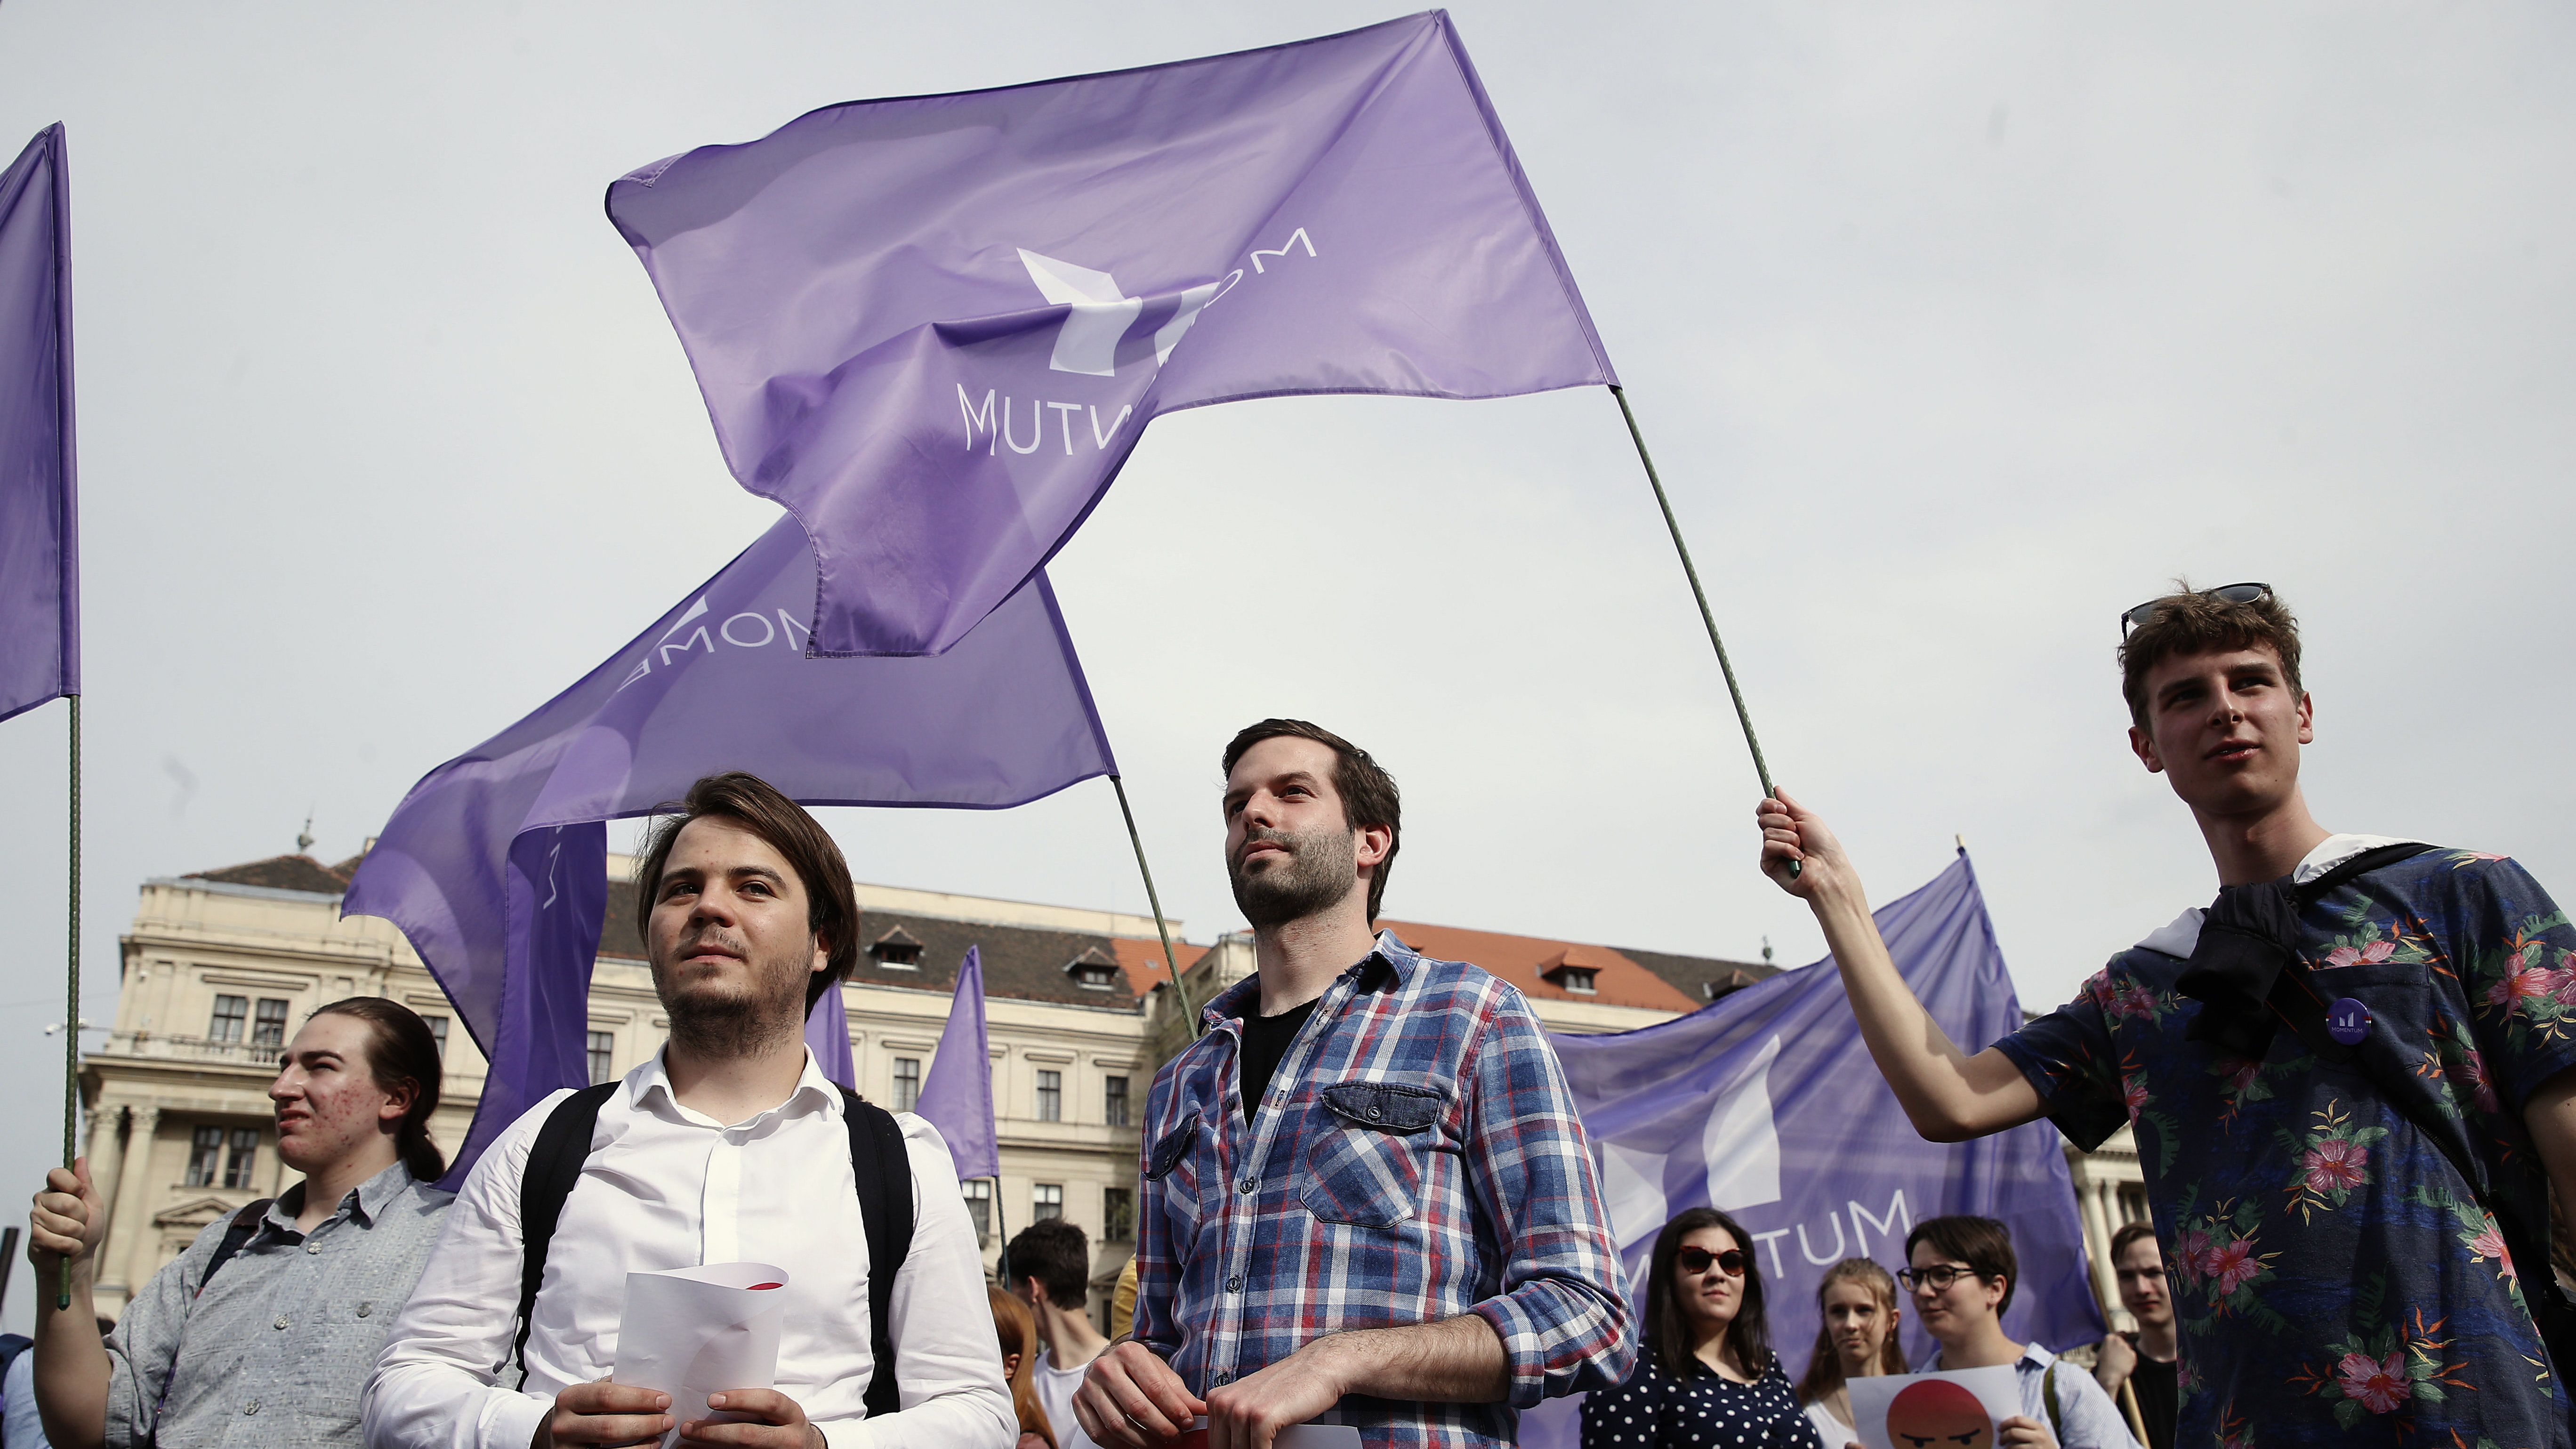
x=1050 y=1266
x=729 y=1145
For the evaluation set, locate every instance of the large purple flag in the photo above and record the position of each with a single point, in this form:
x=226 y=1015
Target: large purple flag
x=1766 y=1104
x=957 y=1096
x=495 y=865
x=39 y=522
x=934 y=327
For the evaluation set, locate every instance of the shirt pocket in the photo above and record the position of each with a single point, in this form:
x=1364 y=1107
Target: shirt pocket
x=1172 y=1169
x=1364 y=1164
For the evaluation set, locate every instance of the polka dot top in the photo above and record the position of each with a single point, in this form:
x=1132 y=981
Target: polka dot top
x=1654 y=1410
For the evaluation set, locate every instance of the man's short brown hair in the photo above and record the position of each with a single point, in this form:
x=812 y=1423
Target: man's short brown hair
x=2130 y=1233
x=832 y=903
x=1368 y=792
x=1984 y=1244
x=2187 y=621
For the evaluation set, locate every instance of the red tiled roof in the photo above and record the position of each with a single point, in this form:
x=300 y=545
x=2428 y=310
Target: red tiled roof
x=1520 y=959
x=1143 y=961
x=284 y=873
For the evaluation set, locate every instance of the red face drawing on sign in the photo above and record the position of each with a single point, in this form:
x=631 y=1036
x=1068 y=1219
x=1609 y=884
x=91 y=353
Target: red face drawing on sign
x=1938 y=1414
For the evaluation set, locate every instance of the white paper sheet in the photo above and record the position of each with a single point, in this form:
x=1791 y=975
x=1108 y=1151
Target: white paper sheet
x=691 y=1332
x=1961 y=1416
x=1295 y=1436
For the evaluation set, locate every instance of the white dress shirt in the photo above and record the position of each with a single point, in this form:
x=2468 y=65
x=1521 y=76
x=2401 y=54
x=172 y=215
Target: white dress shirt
x=666 y=1187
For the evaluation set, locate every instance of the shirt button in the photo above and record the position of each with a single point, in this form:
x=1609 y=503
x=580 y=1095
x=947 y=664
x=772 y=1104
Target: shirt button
x=1234 y=1284
x=251 y=1408
x=1221 y=1379
x=281 y=1320
x=313 y=1247
x=1247 y=1187
x=1376 y=1112
x=366 y=1308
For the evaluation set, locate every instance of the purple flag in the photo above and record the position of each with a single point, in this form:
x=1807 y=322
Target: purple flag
x=957 y=1096
x=827 y=1031
x=1766 y=1104
x=934 y=327
x=495 y=865
x=39 y=522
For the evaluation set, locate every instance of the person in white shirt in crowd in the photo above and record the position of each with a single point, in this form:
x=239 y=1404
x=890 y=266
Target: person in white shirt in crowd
x=1050 y=1265
x=729 y=1145
x=1855 y=1339
x=1961 y=1273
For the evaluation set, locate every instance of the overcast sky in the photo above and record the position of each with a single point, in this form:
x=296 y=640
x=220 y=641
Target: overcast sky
x=1956 y=329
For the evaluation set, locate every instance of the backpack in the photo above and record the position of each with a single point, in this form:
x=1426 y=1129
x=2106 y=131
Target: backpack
x=245 y=1223
x=878 y=1162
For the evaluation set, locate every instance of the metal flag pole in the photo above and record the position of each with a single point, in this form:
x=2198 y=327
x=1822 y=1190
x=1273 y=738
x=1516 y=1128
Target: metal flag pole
x=72 y=996
x=1170 y=963
x=1733 y=690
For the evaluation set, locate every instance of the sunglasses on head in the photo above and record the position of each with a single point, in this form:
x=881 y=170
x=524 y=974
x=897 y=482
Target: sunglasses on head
x=1696 y=1260
x=2136 y=619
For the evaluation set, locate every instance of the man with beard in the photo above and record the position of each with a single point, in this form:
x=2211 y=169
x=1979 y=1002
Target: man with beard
x=729 y=1145
x=1366 y=1190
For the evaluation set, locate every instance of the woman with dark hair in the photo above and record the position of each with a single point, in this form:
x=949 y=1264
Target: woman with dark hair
x=1708 y=1376
x=278 y=1309
x=1855 y=1339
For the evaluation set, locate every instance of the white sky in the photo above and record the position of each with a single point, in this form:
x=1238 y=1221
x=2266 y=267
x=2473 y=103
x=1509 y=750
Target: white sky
x=1956 y=329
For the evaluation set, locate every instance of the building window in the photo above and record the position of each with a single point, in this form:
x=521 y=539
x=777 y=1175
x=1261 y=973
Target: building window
x=1113 y=1099
x=243 y=1156
x=1050 y=1096
x=1118 y=1213
x=979 y=1206
x=268 y=1027
x=230 y=1013
x=1093 y=970
x=438 y=1034
x=603 y=1055
x=897 y=949
x=1049 y=1204
x=1577 y=979
x=907 y=1083
x=205 y=1154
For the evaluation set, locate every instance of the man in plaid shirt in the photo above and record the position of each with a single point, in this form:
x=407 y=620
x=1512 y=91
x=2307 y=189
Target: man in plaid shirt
x=1366 y=1189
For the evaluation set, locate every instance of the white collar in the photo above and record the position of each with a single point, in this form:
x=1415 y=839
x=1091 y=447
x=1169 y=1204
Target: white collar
x=2178 y=938
x=653 y=1076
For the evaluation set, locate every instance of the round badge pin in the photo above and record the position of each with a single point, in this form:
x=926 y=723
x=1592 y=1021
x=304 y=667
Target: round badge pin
x=2348 y=1021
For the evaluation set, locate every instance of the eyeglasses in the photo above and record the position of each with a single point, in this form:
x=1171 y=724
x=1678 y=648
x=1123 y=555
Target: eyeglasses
x=2136 y=619
x=1696 y=1260
x=1938 y=1277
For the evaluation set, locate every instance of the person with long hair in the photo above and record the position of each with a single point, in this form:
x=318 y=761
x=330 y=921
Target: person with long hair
x=1018 y=1331
x=278 y=1308
x=1707 y=1375
x=1855 y=1339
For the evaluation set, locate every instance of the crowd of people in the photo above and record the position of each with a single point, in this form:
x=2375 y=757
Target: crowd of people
x=1367 y=1196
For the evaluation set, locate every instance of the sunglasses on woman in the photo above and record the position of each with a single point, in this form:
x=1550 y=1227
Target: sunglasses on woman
x=2135 y=619
x=1696 y=1260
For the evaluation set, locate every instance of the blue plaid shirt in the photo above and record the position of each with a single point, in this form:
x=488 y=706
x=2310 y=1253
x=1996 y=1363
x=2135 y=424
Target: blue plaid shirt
x=1416 y=1157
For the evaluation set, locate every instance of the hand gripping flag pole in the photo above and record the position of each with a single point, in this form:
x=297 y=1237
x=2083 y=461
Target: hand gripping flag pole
x=72 y=996
x=1742 y=716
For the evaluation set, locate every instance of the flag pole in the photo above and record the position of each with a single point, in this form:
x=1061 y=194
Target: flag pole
x=72 y=993
x=1170 y=963
x=1733 y=690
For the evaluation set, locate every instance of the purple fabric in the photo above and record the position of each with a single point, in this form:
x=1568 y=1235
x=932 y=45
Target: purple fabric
x=934 y=327
x=1766 y=1103
x=495 y=864
x=957 y=1095
x=827 y=1031
x=39 y=517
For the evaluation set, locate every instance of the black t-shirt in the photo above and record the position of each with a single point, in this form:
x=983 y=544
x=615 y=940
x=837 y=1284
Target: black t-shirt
x=2158 y=1396
x=1265 y=1041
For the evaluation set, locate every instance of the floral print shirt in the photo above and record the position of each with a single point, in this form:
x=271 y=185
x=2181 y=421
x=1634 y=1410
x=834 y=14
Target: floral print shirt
x=2334 y=1278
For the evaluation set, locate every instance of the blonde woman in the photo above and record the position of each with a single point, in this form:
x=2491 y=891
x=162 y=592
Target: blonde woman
x=1855 y=1340
x=1017 y=1328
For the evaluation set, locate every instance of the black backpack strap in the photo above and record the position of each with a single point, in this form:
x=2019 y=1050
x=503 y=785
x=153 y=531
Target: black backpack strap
x=2302 y=1003
x=883 y=1171
x=245 y=1223
x=554 y=1165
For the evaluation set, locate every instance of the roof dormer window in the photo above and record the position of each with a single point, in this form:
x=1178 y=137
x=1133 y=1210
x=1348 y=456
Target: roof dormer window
x=1577 y=979
x=897 y=949
x=1093 y=970
x=1574 y=970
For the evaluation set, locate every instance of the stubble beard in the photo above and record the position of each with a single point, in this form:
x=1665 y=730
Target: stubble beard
x=718 y=1022
x=1317 y=875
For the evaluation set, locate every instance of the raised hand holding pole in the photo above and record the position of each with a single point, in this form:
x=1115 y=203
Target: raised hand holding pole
x=1734 y=691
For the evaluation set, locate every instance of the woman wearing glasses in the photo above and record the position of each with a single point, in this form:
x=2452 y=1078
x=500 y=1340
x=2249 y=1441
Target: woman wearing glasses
x=1961 y=1273
x=1708 y=1376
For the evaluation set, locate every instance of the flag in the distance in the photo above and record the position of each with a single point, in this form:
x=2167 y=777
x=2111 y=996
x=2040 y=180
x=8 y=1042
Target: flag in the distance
x=957 y=1095
x=934 y=327
x=495 y=865
x=39 y=522
x=1766 y=1104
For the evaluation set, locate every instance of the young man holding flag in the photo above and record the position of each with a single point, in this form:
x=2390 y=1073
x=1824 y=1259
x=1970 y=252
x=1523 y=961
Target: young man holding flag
x=2348 y=1078
x=1366 y=1189
x=729 y=1145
